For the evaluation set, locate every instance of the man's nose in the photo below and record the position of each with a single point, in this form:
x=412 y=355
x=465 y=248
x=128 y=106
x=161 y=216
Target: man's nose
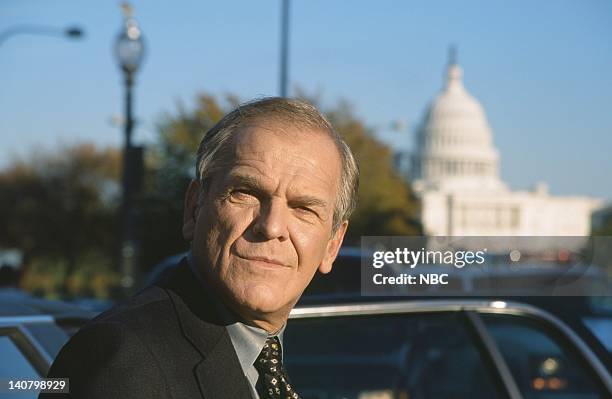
x=271 y=222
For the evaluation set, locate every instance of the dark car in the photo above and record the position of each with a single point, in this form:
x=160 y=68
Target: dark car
x=588 y=316
x=431 y=348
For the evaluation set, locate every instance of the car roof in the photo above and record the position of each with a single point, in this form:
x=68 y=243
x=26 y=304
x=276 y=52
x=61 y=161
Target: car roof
x=556 y=304
x=14 y=302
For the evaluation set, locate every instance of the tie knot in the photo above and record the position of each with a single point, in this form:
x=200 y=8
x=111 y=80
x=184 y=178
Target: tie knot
x=269 y=360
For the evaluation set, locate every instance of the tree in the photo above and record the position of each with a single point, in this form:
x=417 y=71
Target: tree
x=60 y=206
x=387 y=205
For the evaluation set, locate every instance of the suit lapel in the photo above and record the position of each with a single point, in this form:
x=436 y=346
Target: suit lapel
x=219 y=374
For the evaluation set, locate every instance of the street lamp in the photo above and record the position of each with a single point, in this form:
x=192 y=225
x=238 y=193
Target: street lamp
x=129 y=51
x=72 y=32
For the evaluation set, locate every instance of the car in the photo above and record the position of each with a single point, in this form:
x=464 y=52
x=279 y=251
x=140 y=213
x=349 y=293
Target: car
x=434 y=348
x=32 y=331
x=589 y=316
x=68 y=317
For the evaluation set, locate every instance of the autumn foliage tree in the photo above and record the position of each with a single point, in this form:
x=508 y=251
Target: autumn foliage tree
x=58 y=207
x=387 y=206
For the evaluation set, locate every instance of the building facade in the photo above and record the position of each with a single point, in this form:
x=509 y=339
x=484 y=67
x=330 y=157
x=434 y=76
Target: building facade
x=455 y=173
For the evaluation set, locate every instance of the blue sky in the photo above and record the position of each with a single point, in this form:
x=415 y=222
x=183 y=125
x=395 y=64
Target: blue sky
x=542 y=70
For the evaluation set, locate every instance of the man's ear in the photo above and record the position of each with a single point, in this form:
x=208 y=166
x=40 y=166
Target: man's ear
x=190 y=212
x=333 y=246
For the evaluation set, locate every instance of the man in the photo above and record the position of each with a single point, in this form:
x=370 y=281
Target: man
x=270 y=205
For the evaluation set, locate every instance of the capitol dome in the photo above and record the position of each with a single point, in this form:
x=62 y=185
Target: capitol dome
x=454 y=145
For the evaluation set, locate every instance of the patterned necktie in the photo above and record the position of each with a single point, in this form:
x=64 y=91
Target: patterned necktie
x=273 y=381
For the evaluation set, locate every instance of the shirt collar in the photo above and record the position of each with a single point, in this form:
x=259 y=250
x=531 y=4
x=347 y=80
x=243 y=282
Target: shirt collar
x=249 y=341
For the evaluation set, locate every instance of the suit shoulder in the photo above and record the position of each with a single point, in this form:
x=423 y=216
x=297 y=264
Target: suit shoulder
x=146 y=309
x=106 y=359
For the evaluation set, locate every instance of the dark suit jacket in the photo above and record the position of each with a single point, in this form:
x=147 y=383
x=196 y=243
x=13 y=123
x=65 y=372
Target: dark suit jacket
x=165 y=342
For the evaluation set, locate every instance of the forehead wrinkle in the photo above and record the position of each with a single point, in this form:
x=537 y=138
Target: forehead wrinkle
x=305 y=167
x=293 y=186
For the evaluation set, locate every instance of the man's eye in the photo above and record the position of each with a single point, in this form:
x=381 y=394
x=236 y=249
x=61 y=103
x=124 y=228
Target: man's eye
x=305 y=209
x=243 y=195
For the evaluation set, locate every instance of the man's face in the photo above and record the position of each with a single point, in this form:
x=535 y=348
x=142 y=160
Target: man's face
x=264 y=226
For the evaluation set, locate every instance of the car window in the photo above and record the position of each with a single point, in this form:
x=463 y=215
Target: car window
x=50 y=337
x=602 y=329
x=543 y=364
x=14 y=364
x=386 y=356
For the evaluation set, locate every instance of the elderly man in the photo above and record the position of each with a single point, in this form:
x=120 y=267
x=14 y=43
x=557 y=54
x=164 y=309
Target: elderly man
x=270 y=206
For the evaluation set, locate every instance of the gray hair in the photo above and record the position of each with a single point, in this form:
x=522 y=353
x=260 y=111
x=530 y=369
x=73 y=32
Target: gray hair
x=217 y=142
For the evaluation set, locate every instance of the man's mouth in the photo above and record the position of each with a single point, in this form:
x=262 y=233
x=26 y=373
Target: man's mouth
x=270 y=262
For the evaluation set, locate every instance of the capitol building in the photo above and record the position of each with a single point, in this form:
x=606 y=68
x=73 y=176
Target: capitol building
x=455 y=173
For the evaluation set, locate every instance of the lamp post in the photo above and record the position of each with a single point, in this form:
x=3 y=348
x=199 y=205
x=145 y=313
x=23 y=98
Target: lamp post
x=129 y=51
x=284 y=50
